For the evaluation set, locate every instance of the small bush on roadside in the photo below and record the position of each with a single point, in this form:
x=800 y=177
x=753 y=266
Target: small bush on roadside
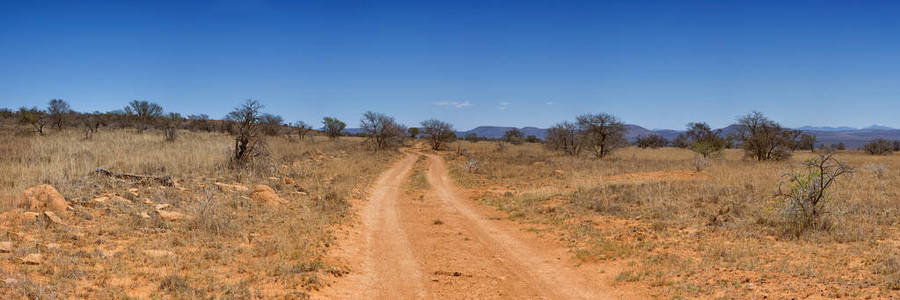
x=803 y=203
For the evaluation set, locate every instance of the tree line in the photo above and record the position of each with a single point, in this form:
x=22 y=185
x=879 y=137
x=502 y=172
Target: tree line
x=598 y=135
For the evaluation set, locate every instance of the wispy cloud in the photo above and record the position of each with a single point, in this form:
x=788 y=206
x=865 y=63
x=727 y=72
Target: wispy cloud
x=453 y=103
x=551 y=103
x=503 y=105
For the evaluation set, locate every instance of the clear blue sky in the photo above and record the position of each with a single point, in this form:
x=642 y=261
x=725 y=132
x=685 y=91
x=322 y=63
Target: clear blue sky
x=517 y=63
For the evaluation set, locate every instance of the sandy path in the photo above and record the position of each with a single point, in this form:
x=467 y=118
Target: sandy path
x=386 y=267
x=444 y=246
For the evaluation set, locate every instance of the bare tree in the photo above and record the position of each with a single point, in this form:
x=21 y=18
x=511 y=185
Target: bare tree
x=333 y=127
x=172 y=122
x=271 y=124
x=382 y=131
x=200 y=122
x=764 y=139
x=143 y=113
x=303 y=129
x=58 y=110
x=602 y=133
x=879 y=147
x=514 y=136
x=564 y=136
x=807 y=142
x=248 y=139
x=92 y=122
x=438 y=133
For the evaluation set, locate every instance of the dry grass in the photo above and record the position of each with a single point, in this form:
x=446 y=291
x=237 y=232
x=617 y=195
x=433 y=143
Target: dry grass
x=710 y=234
x=232 y=247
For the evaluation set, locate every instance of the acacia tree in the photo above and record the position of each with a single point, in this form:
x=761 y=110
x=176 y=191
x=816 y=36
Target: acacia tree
x=248 y=140
x=143 y=113
x=438 y=133
x=564 y=136
x=514 y=136
x=303 y=129
x=58 y=110
x=651 y=141
x=333 y=127
x=413 y=132
x=764 y=139
x=703 y=140
x=35 y=117
x=382 y=131
x=879 y=147
x=602 y=133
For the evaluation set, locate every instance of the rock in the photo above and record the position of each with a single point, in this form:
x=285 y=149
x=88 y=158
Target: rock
x=53 y=246
x=30 y=216
x=53 y=218
x=162 y=206
x=265 y=194
x=158 y=253
x=288 y=181
x=6 y=247
x=106 y=253
x=144 y=215
x=45 y=196
x=559 y=173
x=32 y=259
x=101 y=199
x=172 y=215
x=10 y=281
x=232 y=187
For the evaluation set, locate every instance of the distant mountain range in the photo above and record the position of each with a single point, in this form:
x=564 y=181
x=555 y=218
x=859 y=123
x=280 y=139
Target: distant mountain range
x=850 y=136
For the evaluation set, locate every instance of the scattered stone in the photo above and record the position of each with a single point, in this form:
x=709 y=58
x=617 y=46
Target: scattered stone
x=265 y=194
x=53 y=246
x=45 y=196
x=559 y=173
x=162 y=206
x=33 y=259
x=144 y=215
x=106 y=253
x=53 y=218
x=158 y=253
x=288 y=181
x=6 y=247
x=172 y=215
x=133 y=191
x=148 y=202
x=101 y=199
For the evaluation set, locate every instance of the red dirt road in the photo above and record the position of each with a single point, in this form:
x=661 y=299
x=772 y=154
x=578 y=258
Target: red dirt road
x=446 y=246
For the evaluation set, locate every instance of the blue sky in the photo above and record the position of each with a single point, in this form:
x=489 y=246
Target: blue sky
x=516 y=63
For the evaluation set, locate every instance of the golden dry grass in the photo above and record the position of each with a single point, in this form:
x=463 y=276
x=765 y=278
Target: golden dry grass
x=232 y=247
x=706 y=235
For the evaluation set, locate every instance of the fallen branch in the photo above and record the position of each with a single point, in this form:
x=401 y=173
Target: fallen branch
x=134 y=178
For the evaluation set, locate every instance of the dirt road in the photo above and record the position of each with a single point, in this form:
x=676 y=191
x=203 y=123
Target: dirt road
x=443 y=245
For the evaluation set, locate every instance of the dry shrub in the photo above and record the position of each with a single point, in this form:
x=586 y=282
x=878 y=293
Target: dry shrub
x=803 y=204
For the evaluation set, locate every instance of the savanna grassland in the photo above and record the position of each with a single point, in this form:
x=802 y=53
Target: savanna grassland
x=205 y=236
x=660 y=225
